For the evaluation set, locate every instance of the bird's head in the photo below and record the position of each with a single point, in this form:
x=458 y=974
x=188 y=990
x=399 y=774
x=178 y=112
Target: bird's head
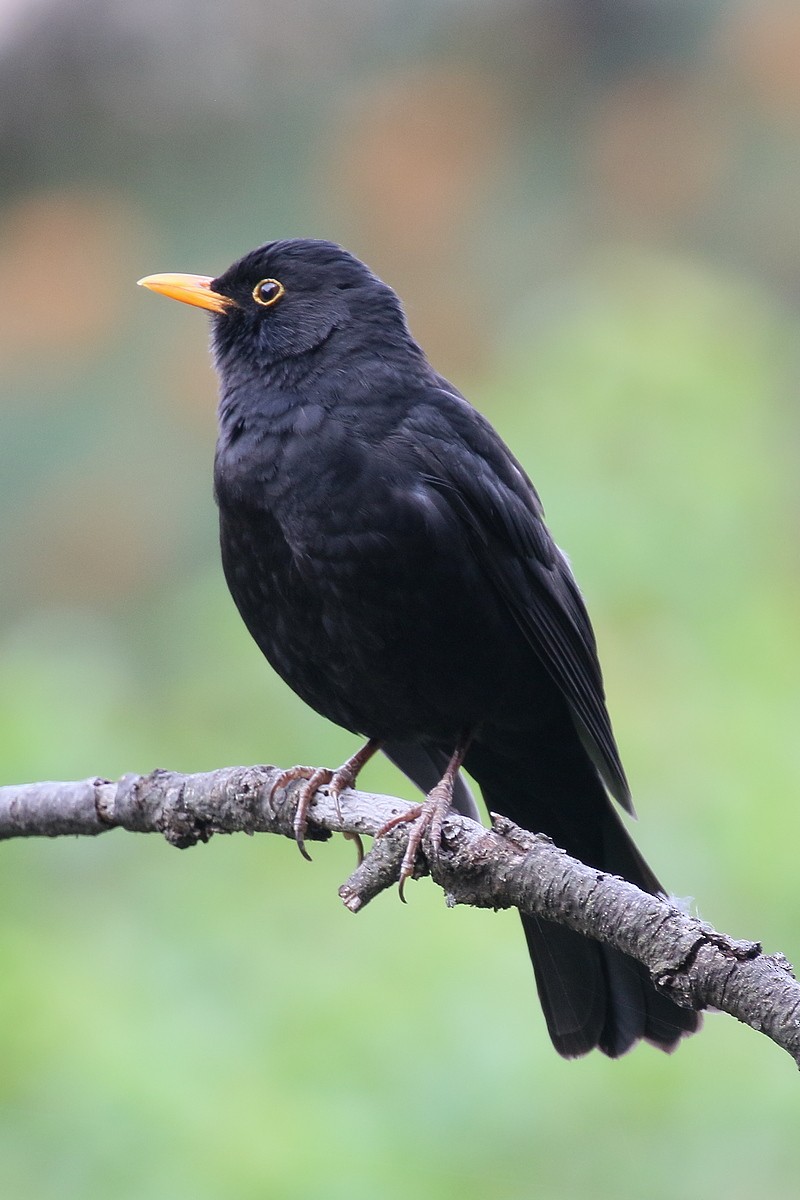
x=285 y=299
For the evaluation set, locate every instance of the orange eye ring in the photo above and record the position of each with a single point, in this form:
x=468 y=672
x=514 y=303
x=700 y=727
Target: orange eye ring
x=268 y=292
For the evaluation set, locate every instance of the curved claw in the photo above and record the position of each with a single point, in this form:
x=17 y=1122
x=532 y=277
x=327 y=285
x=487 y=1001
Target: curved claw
x=356 y=838
x=300 y=824
x=315 y=777
x=422 y=824
x=427 y=816
x=415 y=836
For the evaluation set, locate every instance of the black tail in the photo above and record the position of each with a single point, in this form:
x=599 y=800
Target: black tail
x=593 y=996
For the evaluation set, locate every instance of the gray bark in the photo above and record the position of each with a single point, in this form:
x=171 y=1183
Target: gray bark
x=502 y=867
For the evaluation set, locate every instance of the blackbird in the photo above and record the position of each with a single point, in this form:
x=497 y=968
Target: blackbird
x=389 y=556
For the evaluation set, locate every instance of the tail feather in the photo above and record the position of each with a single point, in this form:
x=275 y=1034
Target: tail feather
x=592 y=995
x=571 y=985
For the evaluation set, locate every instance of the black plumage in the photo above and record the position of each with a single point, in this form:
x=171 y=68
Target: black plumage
x=389 y=556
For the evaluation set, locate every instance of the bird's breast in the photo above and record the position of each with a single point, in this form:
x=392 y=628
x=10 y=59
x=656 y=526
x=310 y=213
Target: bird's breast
x=362 y=607
x=359 y=583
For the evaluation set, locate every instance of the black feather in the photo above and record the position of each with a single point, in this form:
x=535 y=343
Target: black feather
x=389 y=556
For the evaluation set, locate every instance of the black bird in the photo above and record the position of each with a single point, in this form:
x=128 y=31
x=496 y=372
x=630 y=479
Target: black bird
x=389 y=556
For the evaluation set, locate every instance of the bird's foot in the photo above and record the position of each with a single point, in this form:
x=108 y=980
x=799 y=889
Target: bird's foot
x=428 y=818
x=317 y=777
x=425 y=818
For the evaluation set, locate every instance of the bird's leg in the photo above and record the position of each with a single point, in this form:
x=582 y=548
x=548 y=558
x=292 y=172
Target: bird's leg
x=428 y=816
x=317 y=777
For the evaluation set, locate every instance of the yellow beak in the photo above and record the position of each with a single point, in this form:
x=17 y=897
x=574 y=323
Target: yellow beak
x=189 y=289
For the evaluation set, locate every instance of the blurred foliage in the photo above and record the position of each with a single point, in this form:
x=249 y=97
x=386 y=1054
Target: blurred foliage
x=590 y=209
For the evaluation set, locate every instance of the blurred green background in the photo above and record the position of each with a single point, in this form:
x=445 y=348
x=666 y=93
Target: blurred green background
x=590 y=208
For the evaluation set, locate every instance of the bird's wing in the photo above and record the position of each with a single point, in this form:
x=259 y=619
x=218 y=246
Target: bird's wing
x=462 y=458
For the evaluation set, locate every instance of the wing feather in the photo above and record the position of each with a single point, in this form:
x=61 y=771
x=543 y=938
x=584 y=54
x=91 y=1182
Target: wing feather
x=464 y=460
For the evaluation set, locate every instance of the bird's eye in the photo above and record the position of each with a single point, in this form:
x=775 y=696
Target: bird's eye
x=268 y=292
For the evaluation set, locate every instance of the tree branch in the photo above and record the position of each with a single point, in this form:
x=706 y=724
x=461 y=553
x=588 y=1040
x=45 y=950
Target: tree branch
x=502 y=867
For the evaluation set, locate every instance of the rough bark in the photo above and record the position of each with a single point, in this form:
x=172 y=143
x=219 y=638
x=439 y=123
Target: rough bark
x=502 y=867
